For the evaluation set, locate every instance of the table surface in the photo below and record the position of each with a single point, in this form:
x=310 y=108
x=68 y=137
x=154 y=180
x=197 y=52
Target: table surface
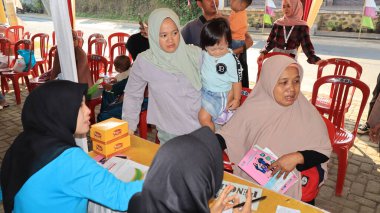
x=143 y=151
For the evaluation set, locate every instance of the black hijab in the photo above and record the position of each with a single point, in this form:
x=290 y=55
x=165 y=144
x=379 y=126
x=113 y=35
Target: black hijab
x=186 y=172
x=49 y=119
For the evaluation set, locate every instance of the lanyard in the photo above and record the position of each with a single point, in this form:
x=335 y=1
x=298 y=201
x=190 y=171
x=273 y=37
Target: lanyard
x=286 y=37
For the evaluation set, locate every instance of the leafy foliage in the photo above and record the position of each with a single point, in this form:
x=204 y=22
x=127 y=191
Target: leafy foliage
x=131 y=9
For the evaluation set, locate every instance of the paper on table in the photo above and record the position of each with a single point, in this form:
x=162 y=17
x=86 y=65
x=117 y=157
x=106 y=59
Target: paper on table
x=241 y=191
x=283 y=209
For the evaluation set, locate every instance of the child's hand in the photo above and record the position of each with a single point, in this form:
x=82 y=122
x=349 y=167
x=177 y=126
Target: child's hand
x=112 y=79
x=234 y=104
x=107 y=87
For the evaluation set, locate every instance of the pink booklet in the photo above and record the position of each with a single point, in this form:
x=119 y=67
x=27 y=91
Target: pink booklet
x=256 y=162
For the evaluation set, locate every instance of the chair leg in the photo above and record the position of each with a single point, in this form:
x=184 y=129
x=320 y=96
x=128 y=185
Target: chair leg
x=342 y=169
x=143 y=126
x=4 y=85
x=16 y=87
x=28 y=86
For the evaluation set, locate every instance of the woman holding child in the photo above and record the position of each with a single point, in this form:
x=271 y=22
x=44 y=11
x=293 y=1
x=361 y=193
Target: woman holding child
x=170 y=68
x=277 y=116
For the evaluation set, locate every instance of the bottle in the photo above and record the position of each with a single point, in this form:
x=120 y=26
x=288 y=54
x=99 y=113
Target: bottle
x=106 y=79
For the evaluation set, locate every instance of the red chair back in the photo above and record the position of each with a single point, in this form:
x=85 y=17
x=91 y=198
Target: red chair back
x=99 y=44
x=5 y=48
x=340 y=68
x=260 y=64
x=244 y=94
x=342 y=86
x=97 y=64
x=26 y=35
x=51 y=56
x=121 y=51
x=14 y=33
x=43 y=39
x=119 y=37
x=23 y=44
x=343 y=139
x=92 y=37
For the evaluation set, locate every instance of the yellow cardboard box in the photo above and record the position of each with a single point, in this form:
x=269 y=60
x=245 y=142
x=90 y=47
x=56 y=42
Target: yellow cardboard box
x=109 y=129
x=110 y=148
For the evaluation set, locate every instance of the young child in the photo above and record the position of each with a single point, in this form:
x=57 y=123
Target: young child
x=238 y=22
x=122 y=65
x=112 y=96
x=220 y=72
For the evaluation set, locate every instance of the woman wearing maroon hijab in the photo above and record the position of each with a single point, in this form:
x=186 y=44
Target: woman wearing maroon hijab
x=289 y=32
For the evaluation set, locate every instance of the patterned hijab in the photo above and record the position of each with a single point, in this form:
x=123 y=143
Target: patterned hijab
x=262 y=121
x=184 y=60
x=185 y=174
x=296 y=17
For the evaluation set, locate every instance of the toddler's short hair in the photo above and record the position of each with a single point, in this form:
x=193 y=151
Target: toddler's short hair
x=122 y=63
x=213 y=31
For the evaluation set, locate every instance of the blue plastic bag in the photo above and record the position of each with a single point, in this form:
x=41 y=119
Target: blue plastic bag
x=28 y=58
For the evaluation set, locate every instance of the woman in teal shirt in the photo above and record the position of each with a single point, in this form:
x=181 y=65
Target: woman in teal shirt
x=44 y=170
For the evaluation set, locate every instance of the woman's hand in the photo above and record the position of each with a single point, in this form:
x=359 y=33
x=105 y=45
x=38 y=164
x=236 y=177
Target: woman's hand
x=224 y=202
x=247 y=206
x=374 y=133
x=286 y=164
x=260 y=58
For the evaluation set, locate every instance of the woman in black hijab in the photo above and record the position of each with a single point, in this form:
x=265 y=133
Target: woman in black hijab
x=44 y=170
x=185 y=174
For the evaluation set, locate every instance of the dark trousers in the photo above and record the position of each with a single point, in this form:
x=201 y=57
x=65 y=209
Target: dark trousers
x=375 y=94
x=244 y=65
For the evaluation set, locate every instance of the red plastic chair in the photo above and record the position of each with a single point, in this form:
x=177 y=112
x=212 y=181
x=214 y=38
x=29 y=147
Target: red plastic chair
x=5 y=48
x=26 y=35
x=92 y=37
x=260 y=64
x=15 y=76
x=121 y=38
x=121 y=51
x=341 y=67
x=343 y=139
x=244 y=94
x=35 y=82
x=14 y=33
x=43 y=50
x=51 y=56
x=99 y=44
x=97 y=65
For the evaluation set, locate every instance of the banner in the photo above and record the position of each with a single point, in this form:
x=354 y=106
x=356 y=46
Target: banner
x=367 y=22
x=370 y=9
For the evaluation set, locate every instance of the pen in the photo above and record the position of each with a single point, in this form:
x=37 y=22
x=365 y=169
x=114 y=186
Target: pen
x=254 y=200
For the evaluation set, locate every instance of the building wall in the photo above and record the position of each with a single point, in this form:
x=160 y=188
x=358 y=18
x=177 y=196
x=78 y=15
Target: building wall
x=326 y=20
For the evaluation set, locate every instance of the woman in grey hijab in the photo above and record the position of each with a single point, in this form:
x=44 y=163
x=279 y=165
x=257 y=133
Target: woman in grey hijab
x=185 y=174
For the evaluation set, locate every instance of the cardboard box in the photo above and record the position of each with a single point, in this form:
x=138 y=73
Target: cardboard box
x=108 y=130
x=112 y=147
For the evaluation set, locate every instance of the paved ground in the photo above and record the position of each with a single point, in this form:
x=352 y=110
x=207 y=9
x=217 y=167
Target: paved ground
x=362 y=185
